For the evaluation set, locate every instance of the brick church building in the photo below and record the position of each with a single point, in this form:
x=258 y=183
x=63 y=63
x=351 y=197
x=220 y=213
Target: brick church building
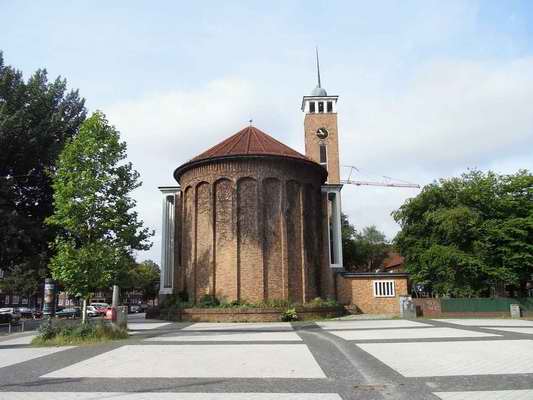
x=254 y=220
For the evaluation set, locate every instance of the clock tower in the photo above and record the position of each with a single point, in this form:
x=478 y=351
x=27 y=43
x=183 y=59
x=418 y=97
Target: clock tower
x=320 y=126
x=322 y=146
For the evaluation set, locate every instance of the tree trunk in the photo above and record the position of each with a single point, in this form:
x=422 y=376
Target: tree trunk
x=84 y=312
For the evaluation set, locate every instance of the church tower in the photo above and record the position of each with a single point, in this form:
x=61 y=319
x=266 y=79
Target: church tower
x=322 y=146
x=320 y=126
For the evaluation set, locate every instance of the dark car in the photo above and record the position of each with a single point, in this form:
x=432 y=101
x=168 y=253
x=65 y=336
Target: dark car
x=25 y=312
x=5 y=318
x=72 y=312
x=14 y=315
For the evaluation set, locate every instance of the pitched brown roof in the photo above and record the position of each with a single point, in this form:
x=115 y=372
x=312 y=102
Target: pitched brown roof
x=249 y=141
x=393 y=260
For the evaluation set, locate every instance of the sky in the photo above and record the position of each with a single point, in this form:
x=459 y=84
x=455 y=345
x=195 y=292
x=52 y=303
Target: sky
x=427 y=89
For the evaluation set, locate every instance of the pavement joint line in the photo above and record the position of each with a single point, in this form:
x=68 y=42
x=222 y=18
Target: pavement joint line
x=343 y=354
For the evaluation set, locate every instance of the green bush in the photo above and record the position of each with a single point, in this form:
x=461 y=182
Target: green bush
x=289 y=315
x=55 y=334
x=320 y=302
x=208 y=301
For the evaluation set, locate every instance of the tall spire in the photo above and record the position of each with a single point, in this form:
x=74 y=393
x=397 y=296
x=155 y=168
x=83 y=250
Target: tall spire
x=318 y=67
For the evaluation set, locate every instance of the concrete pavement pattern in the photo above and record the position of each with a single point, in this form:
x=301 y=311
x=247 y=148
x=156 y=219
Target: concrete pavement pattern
x=250 y=326
x=487 y=322
x=370 y=324
x=227 y=336
x=488 y=395
x=324 y=360
x=12 y=356
x=415 y=333
x=527 y=331
x=190 y=361
x=164 y=396
x=456 y=358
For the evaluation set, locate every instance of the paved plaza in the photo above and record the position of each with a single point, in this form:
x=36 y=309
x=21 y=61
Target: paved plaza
x=445 y=359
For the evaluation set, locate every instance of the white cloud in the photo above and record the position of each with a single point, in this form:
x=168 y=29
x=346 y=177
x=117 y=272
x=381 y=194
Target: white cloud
x=451 y=113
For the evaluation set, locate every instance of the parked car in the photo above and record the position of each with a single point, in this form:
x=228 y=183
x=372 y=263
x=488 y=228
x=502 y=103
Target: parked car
x=101 y=308
x=15 y=315
x=25 y=312
x=135 y=308
x=92 y=311
x=5 y=318
x=71 y=312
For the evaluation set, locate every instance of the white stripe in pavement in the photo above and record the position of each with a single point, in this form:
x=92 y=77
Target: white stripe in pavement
x=487 y=357
x=164 y=396
x=487 y=322
x=487 y=395
x=414 y=333
x=239 y=326
x=18 y=340
x=370 y=324
x=146 y=325
x=194 y=361
x=215 y=336
x=15 y=356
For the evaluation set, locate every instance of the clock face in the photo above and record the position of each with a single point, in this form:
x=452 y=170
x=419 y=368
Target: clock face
x=322 y=133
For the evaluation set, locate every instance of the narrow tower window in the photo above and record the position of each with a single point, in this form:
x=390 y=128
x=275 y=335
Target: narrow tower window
x=330 y=106
x=311 y=106
x=323 y=155
x=320 y=106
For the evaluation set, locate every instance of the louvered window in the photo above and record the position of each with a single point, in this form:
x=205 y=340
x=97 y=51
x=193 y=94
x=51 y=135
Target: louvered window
x=384 y=289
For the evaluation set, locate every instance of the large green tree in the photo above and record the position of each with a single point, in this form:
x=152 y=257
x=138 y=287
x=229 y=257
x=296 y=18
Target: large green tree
x=143 y=276
x=463 y=236
x=94 y=210
x=362 y=251
x=37 y=117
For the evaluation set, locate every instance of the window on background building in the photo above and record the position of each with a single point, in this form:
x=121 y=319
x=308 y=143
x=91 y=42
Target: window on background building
x=312 y=107
x=323 y=155
x=15 y=300
x=330 y=106
x=1 y=273
x=384 y=289
x=6 y=300
x=320 y=106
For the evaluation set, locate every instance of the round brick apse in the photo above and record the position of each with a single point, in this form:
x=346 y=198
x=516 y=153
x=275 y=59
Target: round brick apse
x=251 y=228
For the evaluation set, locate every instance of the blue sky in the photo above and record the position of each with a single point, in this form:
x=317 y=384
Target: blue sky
x=427 y=88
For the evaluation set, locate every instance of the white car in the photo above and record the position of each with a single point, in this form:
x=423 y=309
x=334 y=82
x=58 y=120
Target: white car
x=91 y=311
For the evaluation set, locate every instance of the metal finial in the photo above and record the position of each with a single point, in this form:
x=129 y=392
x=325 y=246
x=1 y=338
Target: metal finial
x=318 y=67
x=250 y=121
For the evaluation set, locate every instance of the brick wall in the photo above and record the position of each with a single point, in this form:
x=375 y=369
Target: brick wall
x=311 y=124
x=245 y=314
x=358 y=291
x=427 y=307
x=252 y=229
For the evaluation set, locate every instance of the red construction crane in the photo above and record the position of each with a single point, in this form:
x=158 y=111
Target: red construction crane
x=398 y=183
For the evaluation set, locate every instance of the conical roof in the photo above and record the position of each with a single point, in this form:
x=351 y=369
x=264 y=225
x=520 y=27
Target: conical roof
x=249 y=141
